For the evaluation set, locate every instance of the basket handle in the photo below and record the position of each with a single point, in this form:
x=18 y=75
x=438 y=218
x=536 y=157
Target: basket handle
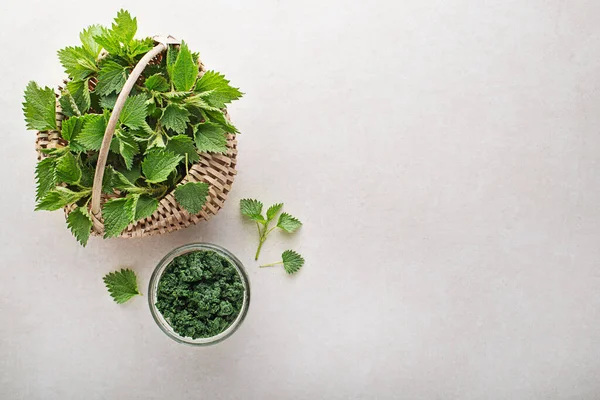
x=114 y=117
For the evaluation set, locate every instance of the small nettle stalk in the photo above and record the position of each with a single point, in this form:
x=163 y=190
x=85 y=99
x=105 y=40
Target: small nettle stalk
x=171 y=115
x=253 y=209
x=292 y=262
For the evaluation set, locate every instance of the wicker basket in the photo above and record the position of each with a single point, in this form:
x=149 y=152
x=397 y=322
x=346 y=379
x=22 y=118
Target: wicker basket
x=218 y=170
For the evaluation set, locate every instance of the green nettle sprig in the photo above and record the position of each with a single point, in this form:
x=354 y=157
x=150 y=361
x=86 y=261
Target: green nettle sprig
x=253 y=209
x=170 y=116
x=292 y=262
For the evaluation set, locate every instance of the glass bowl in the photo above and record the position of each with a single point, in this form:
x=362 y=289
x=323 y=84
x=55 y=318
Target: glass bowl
x=153 y=291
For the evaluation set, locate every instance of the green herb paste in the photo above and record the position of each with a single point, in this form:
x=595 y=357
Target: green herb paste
x=200 y=294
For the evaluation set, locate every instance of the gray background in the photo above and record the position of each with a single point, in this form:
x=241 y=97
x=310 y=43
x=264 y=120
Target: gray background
x=443 y=156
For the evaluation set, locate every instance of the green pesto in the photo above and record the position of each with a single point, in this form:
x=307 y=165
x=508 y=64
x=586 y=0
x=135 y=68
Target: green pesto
x=200 y=294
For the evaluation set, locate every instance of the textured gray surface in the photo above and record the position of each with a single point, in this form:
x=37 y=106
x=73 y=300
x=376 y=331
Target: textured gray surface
x=443 y=156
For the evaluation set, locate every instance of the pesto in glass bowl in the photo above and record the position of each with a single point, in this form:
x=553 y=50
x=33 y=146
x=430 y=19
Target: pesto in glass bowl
x=199 y=294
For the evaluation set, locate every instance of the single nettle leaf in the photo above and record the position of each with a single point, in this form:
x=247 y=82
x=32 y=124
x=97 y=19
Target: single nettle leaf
x=145 y=207
x=45 y=175
x=124 y=27
x=134 y=111
x=252 y=209
x=72 y=127
x=79 y=92
x=109 y=41
x=123 y=183
x=221 y=92
x=200 y=103
x=211 y=138
x=59 y=197
x=137 y=47
x=111 y=78
x=219 y=118
x=292 y=261
x=192 y=196
x=108 y=102
x=87 y=176
x=122 y=285
x=172 y=53
x=108 y=180
x=67 y=169
x=175 y=117
x=273 y=211
x=67 y=104
x=182 y=145
x=128 y=147
x=158 y=164
x=77 y=62
x=175 y=95
x=87 y=39
x=39 y=107
x=134 y=173
x=92 y=133
x=288 y=223
x=157 y=83
x=185 y=71
x=80 y=224
x=117 y=213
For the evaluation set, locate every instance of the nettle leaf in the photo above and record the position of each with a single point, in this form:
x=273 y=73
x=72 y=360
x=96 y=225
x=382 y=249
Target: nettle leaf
x=137 y=47
x=145 y=207
x=92 y=132
x=77 y=62
x=273 y=211
x=87 y=176
x=45 y=175
x=158 y=164
x=80 y=93
x=128 y=147
x=157 y=83
x=185 y=71
x=252 y=209
x=210 y=138
x=111 y=78
x=122 y=182
x=220 y=92
x=109 y=41
x=134 y=112
x=192 y=196
x=108 y=102
x=80 y=224
x=292 y=261
x=200 y=103
x=87 y=39
x=122 y=285
x=288 y=223
x=172 y=53
x=59 y=197
x=182 y=145
x=124 y=27
x=67 y=169
x=71 y=128
x=133 y=174
x=219 y=118
x=117 y=213
x=39 y=107
x=175 y=117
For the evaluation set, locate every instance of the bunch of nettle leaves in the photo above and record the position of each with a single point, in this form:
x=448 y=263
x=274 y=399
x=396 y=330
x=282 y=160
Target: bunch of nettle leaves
x=170 y=116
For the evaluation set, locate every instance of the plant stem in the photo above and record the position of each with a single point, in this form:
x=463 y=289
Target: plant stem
x=271 y=265
x=262 y=240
